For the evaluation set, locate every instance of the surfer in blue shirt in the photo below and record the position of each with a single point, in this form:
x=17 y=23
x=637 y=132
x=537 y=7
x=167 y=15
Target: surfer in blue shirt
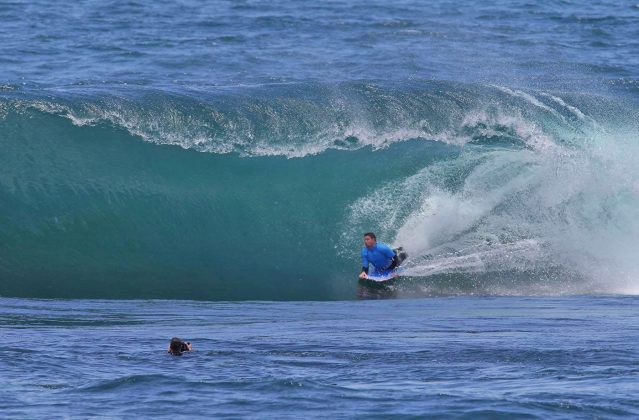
x=380 y=255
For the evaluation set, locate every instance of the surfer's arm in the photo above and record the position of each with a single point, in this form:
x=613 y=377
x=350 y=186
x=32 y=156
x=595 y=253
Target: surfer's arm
x=364 y=260
x=364 y=264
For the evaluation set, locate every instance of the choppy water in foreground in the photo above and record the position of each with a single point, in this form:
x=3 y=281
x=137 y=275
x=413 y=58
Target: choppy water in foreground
x=464 y=356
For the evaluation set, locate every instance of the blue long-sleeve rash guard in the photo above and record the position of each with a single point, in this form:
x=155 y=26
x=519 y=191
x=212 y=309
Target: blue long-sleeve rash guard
x=381 y=256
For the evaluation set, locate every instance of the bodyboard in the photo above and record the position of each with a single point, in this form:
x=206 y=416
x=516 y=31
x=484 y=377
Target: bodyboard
x=386 y=276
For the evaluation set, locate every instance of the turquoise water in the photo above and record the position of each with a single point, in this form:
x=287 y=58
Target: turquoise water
x=207 y=170
x=264 y=192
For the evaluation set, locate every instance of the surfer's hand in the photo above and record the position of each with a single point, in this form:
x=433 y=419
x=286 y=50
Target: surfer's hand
x=362 y=275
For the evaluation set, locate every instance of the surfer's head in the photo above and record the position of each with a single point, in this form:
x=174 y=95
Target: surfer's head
x=370 y=239
x=177 y=346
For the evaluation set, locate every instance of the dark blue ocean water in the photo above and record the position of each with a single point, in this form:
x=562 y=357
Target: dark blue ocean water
x=223 y=155
x=464 y=357
x=226 y=43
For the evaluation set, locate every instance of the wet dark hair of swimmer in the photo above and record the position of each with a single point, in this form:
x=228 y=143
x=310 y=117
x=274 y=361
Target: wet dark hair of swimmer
x=177 y=346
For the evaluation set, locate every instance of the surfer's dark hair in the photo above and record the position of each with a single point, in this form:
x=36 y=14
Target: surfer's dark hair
x=177 y=346
x=371 y=235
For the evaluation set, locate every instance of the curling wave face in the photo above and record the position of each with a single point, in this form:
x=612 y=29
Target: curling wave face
x=490 y=189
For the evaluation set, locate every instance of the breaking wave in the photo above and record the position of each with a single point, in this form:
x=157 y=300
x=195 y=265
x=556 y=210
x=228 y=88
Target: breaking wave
x=490 y=189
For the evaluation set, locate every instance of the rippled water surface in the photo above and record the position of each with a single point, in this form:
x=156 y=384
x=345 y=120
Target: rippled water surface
x=230 y=42
x=470 y=357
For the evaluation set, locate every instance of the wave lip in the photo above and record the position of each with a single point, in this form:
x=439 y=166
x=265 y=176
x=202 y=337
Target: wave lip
x=297 y=120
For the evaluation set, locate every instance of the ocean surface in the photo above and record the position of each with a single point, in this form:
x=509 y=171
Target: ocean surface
x=456 y=357
x=206 y=170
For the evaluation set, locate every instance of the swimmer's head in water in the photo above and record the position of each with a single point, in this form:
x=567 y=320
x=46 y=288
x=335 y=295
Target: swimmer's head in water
x=177 y=346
